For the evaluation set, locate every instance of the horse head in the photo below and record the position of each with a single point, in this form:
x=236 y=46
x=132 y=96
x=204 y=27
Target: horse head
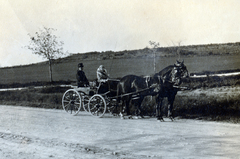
x=175 y=73
x=181 y=69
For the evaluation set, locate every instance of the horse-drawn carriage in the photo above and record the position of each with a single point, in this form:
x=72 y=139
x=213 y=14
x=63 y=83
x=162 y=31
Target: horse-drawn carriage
x=102 y=98
x=96 y=99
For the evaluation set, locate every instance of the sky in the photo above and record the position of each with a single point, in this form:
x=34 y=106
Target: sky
x=116 y=25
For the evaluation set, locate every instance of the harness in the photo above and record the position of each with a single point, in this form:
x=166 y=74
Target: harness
x=147 y=80
x=173 y=76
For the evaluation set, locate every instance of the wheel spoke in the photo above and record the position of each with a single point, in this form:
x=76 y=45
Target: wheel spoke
x=67 y=106
x=93 y=107
x=67 y=97
x=97 y=105
x=71 y=102
x=65 y=101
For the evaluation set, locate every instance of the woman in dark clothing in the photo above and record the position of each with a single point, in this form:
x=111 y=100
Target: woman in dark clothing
x=81 y=77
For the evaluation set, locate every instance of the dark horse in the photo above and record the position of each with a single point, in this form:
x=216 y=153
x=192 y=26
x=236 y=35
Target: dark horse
x=162 y=84
x=171 y=79
x=132 y=87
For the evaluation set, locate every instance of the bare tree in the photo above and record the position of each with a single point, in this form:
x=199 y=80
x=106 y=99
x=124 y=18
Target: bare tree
x=177 y=47
x=45 y=44
x=154 y=46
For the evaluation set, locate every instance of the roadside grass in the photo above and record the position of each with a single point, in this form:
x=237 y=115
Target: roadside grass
x=208 y=98
x=217 y=104
x=211 y=81
x=35 y=84
x=220 y=104
x=47 y=97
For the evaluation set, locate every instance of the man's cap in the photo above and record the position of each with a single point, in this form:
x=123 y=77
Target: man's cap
x=80 y=65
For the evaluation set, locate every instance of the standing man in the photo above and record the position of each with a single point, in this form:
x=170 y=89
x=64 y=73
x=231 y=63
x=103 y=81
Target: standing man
x=81 y=77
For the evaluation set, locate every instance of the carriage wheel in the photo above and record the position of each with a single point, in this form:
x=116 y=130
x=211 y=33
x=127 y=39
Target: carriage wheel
x=112 y=106
x=85 y=100
x=72 y=101
x=97 y=105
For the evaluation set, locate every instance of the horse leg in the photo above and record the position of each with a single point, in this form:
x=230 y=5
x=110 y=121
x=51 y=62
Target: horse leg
x=170 y=107
x=122 y=99
x=123 y=107
x=126 y=110
x=159 y=109
x=139 y=107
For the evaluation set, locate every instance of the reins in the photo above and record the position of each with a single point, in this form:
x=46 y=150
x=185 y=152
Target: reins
x=132 y=93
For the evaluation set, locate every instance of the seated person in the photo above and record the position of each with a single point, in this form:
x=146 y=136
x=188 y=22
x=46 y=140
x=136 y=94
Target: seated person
x=102 y=79
x=102 y=75
x=82 y=80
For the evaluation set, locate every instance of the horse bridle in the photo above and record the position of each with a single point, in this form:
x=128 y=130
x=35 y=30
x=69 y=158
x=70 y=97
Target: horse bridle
x=176 y=73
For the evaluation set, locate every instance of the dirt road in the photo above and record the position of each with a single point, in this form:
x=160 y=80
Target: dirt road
x=31 y=133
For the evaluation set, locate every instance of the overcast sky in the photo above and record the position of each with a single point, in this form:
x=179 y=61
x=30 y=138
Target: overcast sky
x=102 y=25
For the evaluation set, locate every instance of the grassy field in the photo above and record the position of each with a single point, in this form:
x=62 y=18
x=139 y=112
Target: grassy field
x=65 y=70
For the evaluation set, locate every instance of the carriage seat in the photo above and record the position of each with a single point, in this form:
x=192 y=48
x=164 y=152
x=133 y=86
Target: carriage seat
x=85 y=90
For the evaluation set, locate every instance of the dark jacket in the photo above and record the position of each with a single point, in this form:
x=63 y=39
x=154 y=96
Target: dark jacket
x=81 y=79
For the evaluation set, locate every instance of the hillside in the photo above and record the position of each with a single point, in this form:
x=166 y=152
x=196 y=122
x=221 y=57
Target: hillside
x=192 y=50
x=198 y=58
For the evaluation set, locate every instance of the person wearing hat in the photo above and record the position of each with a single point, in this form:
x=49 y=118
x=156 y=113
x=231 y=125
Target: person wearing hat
x=82 y=80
